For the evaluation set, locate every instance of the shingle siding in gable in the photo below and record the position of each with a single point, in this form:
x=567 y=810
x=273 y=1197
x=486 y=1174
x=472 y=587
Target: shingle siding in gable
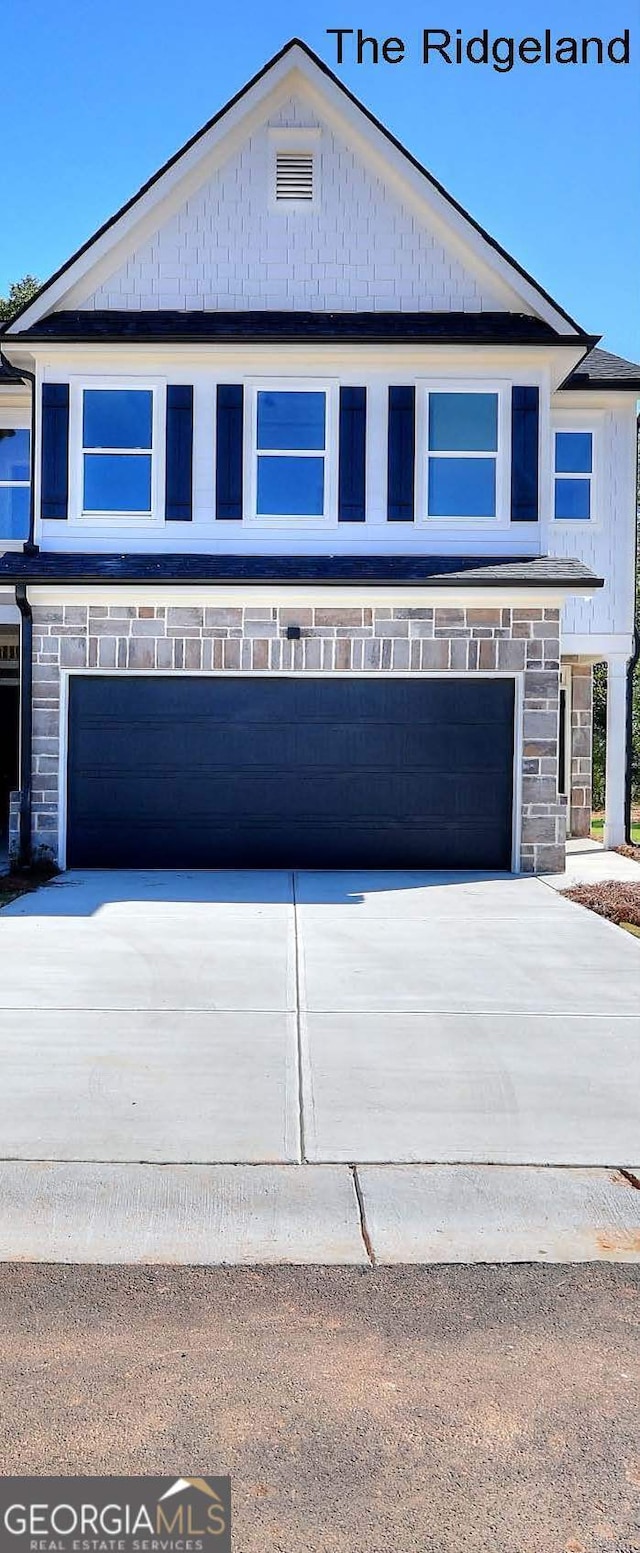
x=227 y=248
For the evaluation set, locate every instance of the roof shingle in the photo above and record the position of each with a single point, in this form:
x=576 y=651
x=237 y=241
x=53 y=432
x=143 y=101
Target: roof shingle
x=601 y=369
x=380 y=570
x=165 y=326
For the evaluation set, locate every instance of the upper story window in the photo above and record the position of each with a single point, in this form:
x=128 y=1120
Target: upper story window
x=573 y=474
x=14 y=482
x=291 y=453
x=117 y=442
x=463 y=433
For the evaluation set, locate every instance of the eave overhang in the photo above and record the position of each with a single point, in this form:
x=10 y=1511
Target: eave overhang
x=200 y=327
x=398 y=572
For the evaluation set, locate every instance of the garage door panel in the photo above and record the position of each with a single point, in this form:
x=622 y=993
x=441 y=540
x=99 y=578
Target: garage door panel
x=269 y=795
x=309 y=772
x=397 y=845
x=376 y=745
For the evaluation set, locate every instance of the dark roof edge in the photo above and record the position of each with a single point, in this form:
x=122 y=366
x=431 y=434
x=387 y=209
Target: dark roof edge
x=604 y=385
x=9 y=380
x=388 y=134
x=604 y=369
x=294 y=338
x=290 y=571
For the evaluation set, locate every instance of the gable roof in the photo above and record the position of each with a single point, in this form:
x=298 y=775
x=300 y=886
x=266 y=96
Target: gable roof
x=296 y=54
x=601 y=369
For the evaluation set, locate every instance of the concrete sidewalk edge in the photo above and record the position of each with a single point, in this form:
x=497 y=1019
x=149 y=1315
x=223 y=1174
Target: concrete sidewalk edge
x=208 y=1215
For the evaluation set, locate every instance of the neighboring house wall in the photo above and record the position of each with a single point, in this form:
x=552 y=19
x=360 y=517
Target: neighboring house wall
x=15 y=412
x=203 y=638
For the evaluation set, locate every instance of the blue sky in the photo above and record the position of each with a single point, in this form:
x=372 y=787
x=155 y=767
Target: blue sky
x=96 y=96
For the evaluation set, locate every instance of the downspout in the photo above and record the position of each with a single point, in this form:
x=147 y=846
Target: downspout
x=26 y=689
x=633 y=664
x=19 y=374
x=26 y=637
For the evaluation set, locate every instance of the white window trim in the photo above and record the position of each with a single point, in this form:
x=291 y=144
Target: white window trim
x=502 y=455
x=327 y=386
x=14 y=420
x=80 y=518
x=290 y=139
x=571 y=421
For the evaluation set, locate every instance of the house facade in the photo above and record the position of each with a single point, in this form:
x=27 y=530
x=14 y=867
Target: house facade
x=332 y=512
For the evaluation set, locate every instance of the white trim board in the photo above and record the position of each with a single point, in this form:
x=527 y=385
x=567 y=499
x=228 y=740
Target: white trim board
x=338 y=595
x=596 y=646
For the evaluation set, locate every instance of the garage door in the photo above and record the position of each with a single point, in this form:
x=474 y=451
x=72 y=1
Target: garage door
x=280 y=773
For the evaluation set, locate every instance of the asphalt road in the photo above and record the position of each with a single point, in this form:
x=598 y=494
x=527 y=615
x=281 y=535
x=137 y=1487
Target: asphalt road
x=401 y=1410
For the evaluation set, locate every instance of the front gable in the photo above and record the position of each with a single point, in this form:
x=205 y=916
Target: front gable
x=358 y=246
x=206 y=233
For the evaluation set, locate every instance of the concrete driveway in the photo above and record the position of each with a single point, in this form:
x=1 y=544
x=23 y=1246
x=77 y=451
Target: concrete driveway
x=223 y=1017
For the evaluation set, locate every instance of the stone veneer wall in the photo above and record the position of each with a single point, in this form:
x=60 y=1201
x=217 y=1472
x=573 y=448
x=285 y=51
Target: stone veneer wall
x=227 y=639
x=581 y=749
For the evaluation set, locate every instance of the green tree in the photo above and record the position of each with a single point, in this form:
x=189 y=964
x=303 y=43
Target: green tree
x=635 y=735
x=20 y=291
x=599 y=732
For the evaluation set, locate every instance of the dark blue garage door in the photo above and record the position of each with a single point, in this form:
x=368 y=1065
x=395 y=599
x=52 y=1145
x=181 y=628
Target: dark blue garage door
x=281 y=773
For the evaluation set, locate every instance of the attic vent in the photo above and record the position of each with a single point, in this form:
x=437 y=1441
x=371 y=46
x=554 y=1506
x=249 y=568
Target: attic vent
x=294 y=175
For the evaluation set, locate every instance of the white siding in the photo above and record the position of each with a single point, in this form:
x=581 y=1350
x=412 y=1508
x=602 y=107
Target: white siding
x=377 y=535
x=606 y=544
x=358 y=248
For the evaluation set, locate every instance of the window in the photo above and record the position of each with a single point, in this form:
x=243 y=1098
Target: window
x=291 y=453
x=573 y=474
x=294 y=175
x=15 y=471
x=462 y=455
x=117 y=450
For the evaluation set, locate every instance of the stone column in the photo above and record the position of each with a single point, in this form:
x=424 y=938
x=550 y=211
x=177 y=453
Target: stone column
x=616 y=751
x=581 y=749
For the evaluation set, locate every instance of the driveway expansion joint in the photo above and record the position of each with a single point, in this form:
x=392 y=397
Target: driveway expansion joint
x=362 y=1213
x=299 y=1075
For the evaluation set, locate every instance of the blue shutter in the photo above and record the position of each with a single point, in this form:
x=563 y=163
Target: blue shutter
x=525 y=415
x=179 y=470
x=401 y=455
x=229 y=418
x=352 y=460
x=54 y=492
